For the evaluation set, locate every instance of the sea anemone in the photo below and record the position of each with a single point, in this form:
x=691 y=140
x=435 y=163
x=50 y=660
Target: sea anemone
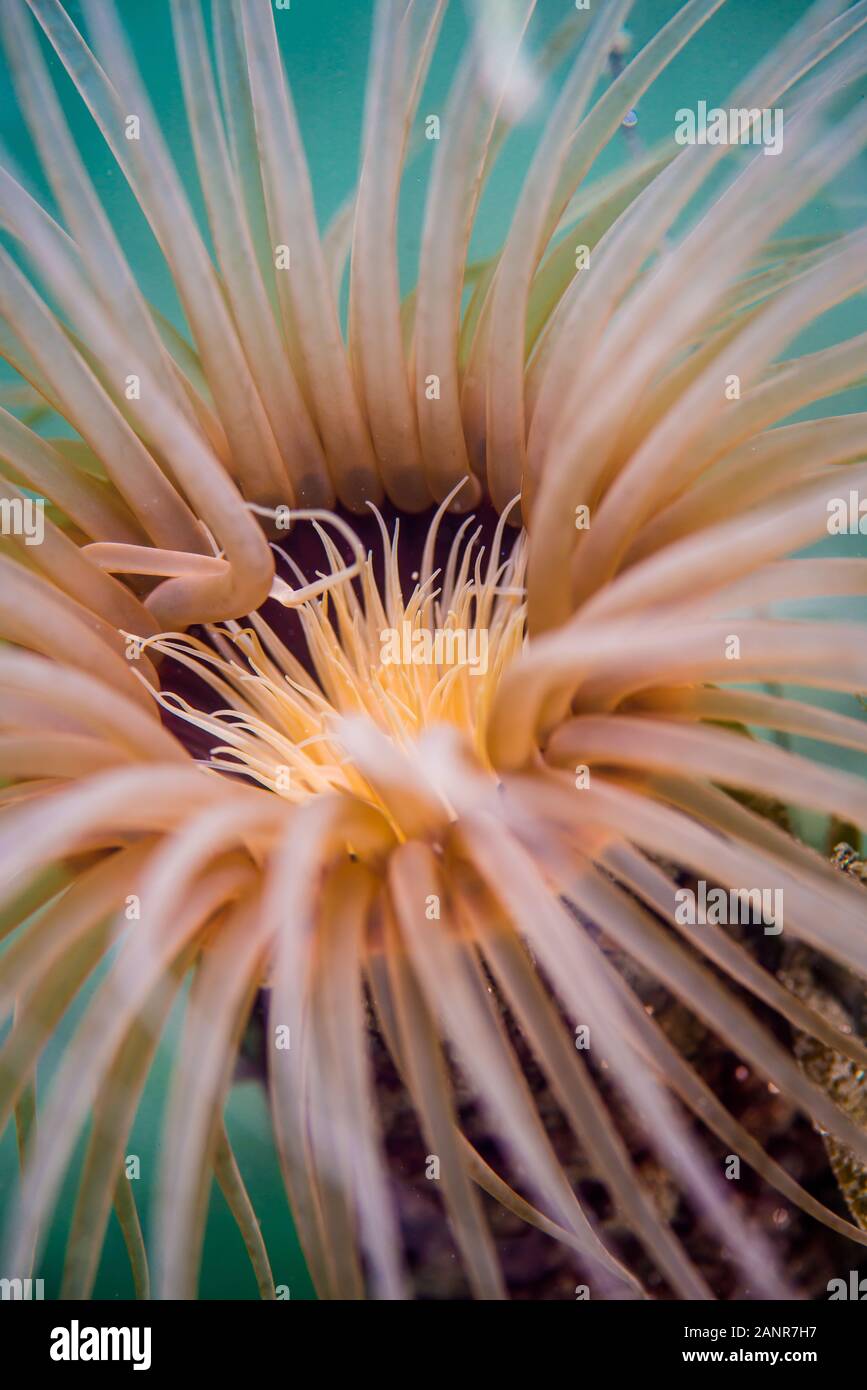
x=278 y=734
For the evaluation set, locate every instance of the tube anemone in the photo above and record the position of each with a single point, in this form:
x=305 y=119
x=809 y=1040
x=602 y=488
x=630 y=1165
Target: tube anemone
x=281 y=728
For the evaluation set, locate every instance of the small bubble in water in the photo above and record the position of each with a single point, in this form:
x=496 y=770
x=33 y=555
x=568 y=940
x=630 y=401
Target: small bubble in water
x=630 y=119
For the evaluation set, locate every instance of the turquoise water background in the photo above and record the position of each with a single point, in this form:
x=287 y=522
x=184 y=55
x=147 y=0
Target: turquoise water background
x=324 y=43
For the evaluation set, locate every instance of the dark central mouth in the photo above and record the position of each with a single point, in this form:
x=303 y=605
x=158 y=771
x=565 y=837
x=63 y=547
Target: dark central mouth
x=302 y=543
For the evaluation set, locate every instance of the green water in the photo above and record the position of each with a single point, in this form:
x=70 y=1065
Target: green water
x=324 y=44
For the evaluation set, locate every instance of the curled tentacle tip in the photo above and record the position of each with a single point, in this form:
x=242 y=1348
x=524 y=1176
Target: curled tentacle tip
x=281 y=591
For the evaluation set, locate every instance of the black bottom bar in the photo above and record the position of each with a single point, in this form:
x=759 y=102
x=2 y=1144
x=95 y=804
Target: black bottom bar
x=69 y=1339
